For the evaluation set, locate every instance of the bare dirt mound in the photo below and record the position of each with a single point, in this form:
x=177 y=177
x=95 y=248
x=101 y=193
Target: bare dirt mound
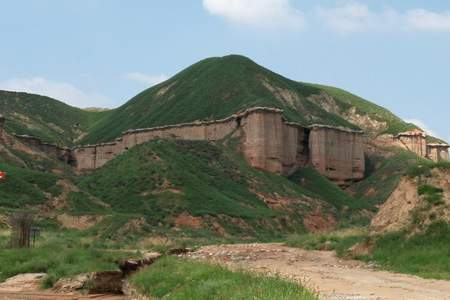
x=333 y=278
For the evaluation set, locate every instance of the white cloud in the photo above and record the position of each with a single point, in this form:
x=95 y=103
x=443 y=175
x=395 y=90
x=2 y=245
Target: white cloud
x=423 y=126
x=148 y=80
x=357 y=17
x=62 y=91
x=257 y=13
x=428 y=20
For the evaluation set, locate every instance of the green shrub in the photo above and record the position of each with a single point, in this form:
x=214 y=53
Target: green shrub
x=426 y=189
x=433 y=195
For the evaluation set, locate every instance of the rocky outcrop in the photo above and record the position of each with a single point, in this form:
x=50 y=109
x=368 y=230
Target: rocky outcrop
x=414 y=141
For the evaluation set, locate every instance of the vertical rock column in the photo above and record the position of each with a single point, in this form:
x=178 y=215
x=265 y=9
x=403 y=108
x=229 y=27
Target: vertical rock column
x=337 y=154
x=263 y=140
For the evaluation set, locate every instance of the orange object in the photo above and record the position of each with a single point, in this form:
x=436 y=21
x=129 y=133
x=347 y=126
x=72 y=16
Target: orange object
x=2 y=175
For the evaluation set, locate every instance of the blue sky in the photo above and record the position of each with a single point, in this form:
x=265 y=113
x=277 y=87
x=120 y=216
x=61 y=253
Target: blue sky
x=102 y=52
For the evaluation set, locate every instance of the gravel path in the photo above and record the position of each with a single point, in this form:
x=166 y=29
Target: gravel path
x=333 y=278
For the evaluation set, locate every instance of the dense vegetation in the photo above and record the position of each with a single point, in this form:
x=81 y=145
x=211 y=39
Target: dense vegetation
x=165 y=178
x=25 y=187
x=310 y=179
x=174 y=278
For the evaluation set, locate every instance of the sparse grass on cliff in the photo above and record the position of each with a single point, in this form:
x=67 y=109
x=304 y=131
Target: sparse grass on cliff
x=175 y=278
x=44 y=117
x=347 y=100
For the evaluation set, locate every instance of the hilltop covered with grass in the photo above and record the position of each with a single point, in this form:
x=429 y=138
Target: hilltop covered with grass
x=215 y=88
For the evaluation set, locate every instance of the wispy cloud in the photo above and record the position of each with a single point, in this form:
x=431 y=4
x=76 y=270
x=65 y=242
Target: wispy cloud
x=427 y=20
x=148 y=80
x=257 y=13
x=352 y=17
x=423 y=126
x=62 y=91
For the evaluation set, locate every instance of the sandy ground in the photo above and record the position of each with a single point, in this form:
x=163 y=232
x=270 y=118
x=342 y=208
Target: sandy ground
x=322 y=271
x=27 y=287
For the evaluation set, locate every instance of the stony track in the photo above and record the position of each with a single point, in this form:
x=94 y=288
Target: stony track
x=331 y=277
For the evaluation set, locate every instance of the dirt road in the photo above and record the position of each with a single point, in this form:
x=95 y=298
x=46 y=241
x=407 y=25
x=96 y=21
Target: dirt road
x=333 y=278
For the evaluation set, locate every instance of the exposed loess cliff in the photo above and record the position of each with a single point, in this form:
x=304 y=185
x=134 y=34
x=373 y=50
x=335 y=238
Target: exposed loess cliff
x=415 y=203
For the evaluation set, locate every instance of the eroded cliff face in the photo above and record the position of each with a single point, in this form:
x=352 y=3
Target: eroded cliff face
x=415 y=141
x=267 y=141
x=337 y=154
x=406 y=209
x=273 y=145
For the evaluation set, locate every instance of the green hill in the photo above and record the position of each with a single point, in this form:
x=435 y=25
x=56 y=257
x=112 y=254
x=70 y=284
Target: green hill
x=165 y=179
x=46 y=118
x=218 y=87
x=214 y=88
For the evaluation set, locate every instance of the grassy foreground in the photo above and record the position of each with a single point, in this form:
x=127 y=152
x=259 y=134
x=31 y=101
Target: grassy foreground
x=59 y=255
x=175 y=278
